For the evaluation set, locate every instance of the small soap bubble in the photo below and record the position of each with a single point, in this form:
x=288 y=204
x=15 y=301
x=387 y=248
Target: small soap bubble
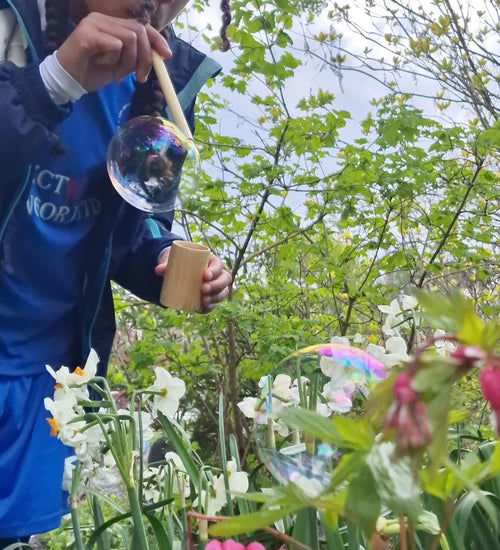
x=327 y=378
x=151 y=164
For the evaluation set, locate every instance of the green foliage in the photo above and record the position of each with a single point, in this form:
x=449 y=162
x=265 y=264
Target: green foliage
x=319 y=227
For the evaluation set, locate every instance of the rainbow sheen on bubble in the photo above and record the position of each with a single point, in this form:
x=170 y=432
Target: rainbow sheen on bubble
x=332 y=379
x=151 y=164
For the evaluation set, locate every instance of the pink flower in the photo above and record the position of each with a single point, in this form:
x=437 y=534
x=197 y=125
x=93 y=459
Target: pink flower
x=408 y=417
x=213 y=545
x=467 y=357
x=232 y=545
x=489 y=379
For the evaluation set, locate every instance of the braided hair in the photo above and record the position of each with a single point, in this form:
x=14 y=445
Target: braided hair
x=148 y=98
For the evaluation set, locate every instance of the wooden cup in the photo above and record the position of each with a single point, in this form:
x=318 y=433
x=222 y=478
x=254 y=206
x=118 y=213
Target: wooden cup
x=181 y=289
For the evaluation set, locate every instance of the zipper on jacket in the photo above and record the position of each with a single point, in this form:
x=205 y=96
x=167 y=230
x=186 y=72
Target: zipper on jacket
x=104 y=271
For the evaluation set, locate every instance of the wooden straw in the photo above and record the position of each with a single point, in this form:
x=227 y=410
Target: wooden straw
x=170 y=96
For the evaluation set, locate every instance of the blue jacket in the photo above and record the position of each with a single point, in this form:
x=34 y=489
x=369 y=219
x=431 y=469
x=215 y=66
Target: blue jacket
x=126 y=242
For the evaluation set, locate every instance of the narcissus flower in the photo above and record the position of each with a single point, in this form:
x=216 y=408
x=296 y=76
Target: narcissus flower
x=66 y=378
x=217 y=496
x=169 y=391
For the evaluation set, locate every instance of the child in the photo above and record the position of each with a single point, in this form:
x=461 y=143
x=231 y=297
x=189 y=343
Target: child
x=71 y=71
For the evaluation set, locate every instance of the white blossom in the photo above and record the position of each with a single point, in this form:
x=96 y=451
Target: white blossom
x=336 y=398
x=217 y=498
x=409 y=302
x=394 y=318
x=180 y=477
x=169 y=391
x=66 y=378
x=394 y=352
x=340 y=340
x=443 y=347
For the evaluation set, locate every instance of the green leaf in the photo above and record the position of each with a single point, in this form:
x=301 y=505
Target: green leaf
x=471 y=327
x=305 y=528
x=181 y=449
x=98 y=532
x=341 y=431
x=103 y=540
x=395 y=481
x=250 y=522
x=363 y=503
x=357 y=432
x=160 y=532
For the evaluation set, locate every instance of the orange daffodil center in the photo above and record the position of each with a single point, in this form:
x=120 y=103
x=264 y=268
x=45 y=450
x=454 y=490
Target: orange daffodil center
x=54 y=428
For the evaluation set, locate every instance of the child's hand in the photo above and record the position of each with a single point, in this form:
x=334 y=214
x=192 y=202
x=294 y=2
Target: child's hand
x=104 y=48
x=215 y=287
x=216 y=281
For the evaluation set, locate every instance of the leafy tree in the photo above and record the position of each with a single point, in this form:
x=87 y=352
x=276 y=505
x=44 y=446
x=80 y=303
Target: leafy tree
x=318 y=229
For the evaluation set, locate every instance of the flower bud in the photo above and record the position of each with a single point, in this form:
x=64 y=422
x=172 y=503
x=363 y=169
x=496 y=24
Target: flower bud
x=408 y=417
x=467 y=357
x=489 y=379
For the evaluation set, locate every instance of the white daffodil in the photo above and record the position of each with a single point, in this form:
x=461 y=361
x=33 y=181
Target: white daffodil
x=336 y=399
x=339 y=376
x=409 y=302
x=377 y=352
x=249 y=408
x=151 y=483
x=394 y=353
x=295 y=391
x=238 y=480
x=281 y=386
x=217 y=497
x=169 y=390
x=180 y=477
x=359 y=338
x=93 y=442
x=69 y=466
x=393 y=322
x=63 y=409
x=65 y=378
x=340 y=340
x=281 y=428
x=443 y=347
x=108 y=460
x=323 y=409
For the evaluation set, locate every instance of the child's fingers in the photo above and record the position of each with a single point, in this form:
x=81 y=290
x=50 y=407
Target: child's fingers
x=104 y=48
x=158 y=42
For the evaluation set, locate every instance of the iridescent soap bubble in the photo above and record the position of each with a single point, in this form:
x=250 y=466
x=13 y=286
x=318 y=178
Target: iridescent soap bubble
x=334 y=378
x=151 y=164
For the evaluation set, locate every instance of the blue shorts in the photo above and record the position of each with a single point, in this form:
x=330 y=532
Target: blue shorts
x=31 y=461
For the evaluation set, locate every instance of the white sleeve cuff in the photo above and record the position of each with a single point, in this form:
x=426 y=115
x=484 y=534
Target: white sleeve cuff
x=62 y=87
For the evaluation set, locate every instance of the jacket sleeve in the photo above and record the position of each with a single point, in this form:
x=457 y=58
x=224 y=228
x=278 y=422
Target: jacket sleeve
x=28 y=118
x=139 y=239
x=135 y=254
